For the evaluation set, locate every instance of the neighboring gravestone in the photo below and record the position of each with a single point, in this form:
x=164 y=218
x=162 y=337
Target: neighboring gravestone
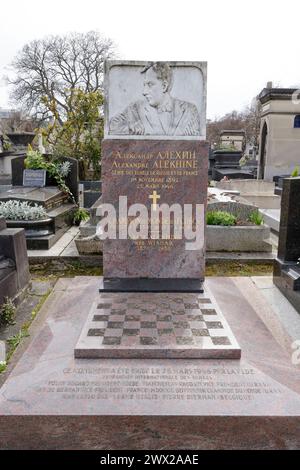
x=154 y=191
x=42 y=234
x=286 y=267
x=14 y=266
x=18 y=167
x=227 y=164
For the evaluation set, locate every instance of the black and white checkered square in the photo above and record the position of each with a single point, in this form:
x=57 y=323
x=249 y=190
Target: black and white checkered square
x=156 y=325
x=180 y=318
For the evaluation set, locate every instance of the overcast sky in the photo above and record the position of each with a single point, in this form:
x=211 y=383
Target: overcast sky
x=245 y=43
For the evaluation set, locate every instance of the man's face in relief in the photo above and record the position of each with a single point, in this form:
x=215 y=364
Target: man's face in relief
x=154 y=89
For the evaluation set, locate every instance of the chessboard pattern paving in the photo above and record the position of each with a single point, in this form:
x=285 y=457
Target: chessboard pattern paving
x=156 y=325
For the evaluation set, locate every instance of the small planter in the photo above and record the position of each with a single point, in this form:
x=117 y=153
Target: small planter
x=238 y=238
x=22 y=139
x=88 y=245
x=227 y=158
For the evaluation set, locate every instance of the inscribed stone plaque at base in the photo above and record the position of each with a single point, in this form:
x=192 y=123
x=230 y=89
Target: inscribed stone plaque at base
x=154 y=173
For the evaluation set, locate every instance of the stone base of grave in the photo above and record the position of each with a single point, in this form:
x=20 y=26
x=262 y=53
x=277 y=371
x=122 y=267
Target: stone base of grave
x=151 y=285
x=233 y=173
x=42 y=234
x=156 y=325
x=51 y=400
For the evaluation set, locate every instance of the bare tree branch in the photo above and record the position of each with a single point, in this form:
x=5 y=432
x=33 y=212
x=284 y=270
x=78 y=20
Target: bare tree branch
x=50 y=68
x=247 y=120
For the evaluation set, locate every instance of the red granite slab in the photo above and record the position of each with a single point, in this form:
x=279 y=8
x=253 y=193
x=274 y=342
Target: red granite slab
x=52 y=400
x=177 y=171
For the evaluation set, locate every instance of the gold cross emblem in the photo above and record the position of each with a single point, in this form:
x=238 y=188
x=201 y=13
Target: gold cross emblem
x=154 y=196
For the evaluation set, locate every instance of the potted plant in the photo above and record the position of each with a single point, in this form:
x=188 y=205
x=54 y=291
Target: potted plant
x=80 y=215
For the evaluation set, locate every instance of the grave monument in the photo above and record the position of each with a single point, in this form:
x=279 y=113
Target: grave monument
x=154 y=182
x=126 y=402
x=155 y=153
x=14 y=266
x=17 y=143
x=43 y=233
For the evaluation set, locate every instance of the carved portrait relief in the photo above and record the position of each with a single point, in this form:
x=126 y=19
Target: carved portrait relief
x=157 y=111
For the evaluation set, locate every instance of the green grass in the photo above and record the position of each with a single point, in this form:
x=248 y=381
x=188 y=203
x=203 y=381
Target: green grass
x=236 y=268
x=213 y=268
x=256 y=218
x=49 y=270
x=14 y=341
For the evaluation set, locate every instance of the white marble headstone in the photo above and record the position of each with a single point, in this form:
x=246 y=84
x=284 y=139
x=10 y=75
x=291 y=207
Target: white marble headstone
x=155 y=100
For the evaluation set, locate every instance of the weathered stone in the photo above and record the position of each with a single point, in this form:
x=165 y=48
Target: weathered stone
x=87 y=241
x=238 y=238
x=239 y=209
x=88 y=245
x=21 y=139
x=14 y=266
x=13 y=245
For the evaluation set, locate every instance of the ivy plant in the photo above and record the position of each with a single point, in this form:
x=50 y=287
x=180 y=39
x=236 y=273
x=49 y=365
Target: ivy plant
x=58 y=170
